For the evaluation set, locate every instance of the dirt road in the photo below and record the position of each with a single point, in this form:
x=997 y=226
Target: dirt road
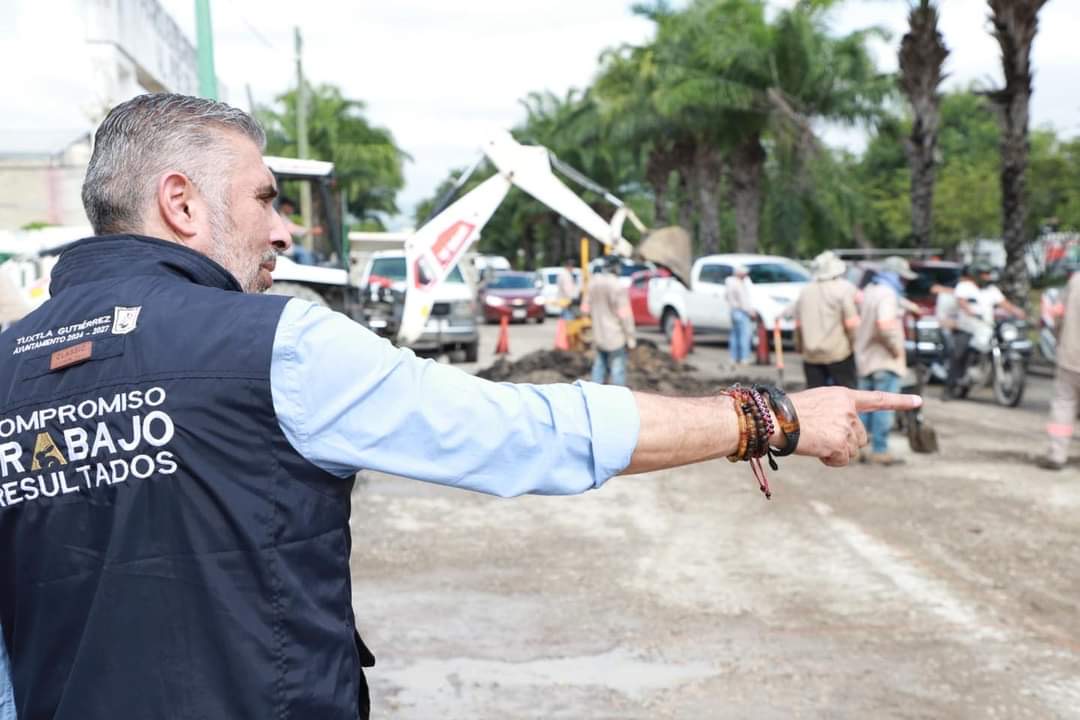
x=943 y=588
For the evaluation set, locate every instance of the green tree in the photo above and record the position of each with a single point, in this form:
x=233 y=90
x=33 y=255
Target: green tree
x=922 y=54
x=1054 y=187
x=966 y=200
x=1015 y=24
x=625 y=91
x=367 y=161
x=745 y=84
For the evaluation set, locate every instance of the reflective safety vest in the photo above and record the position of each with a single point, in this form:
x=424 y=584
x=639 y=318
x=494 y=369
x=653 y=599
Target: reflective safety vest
x=164 y=551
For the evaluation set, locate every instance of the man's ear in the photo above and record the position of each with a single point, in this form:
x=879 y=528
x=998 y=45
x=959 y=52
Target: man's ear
x=179 y=206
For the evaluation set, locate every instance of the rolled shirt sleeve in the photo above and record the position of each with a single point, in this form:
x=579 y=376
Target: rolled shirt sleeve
x=348 y=400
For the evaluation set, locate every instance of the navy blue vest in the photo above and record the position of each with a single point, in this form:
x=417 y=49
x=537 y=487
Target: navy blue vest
x=164 y=551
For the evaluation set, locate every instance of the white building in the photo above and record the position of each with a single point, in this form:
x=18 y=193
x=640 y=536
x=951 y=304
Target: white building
x=72 y=60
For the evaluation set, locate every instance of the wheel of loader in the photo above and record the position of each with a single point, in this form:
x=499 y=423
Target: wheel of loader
x=472 y=352
x=296 y=290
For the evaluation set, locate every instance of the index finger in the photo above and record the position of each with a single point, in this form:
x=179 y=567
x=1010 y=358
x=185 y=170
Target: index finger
x=872 y=400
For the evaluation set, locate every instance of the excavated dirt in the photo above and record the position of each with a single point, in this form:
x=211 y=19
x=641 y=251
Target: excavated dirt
x=651 y=369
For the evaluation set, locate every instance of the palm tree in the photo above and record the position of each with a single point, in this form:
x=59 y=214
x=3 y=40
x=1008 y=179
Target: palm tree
x=625 y=90
x=1015 y=24
x=367 y=161
x=743 y=82
x=922 y=54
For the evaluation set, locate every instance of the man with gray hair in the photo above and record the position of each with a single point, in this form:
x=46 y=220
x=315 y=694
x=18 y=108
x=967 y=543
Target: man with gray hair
x=177 y=450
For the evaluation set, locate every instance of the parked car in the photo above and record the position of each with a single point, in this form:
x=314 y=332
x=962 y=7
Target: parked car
x=639 y=296
x=931 y=272
x=627 y=268
x=549 y=276
x=512 y=294
x=452 y=323
x=777 y=283
x=486 y=265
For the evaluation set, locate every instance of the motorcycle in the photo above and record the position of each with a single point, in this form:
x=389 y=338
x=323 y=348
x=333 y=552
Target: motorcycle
x=1002 y=364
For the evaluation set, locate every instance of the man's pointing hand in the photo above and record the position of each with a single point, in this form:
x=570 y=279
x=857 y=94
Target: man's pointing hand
x=829 y=419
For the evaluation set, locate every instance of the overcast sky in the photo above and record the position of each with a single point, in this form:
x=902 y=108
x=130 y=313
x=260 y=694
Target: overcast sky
x=442 y=75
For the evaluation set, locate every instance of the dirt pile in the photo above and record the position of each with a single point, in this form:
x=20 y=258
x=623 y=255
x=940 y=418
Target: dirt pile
x=651 y=369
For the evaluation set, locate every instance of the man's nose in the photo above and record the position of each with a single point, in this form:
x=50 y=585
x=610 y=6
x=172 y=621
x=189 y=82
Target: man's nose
x=280 y=237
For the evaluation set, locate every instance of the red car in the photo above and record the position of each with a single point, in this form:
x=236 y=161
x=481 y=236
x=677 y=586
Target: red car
x=639 y=296
x=512 y=294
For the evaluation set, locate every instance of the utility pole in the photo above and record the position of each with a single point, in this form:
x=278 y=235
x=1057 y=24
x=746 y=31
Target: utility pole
x=204 y=41
x=301 y=136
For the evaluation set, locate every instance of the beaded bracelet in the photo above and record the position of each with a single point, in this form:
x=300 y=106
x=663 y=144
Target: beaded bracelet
x=755 y=429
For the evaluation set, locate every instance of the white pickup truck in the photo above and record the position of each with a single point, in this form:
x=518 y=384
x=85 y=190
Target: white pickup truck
x=777 y=283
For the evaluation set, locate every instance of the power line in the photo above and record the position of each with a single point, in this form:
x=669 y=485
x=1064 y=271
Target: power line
x=258 y=35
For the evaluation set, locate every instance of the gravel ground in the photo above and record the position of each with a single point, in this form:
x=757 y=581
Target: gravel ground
x=944 y=587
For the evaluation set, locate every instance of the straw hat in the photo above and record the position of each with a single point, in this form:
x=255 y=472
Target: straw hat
x=827 y=266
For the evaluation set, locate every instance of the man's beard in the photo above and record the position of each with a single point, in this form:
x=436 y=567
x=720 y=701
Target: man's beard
x=228 y=252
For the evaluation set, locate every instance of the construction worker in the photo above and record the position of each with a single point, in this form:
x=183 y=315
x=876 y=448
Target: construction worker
x=826 y=319
x=178 y=449
x=608 y=304
x=1063 y=406
x=880 y=357
x=738 y=293
x=567 y=289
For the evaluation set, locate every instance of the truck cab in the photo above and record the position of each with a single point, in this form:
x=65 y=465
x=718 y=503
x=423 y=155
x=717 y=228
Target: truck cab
x=451 y=326
x=777 y=283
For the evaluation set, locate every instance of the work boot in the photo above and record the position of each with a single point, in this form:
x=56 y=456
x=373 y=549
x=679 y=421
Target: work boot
x=1048 y=464
x=884 y=459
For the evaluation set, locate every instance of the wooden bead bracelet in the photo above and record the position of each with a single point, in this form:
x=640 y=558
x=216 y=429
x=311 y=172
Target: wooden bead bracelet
x=752 y=409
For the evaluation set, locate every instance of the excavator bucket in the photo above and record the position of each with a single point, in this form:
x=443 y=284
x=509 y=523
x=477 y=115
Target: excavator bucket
x=670 y=247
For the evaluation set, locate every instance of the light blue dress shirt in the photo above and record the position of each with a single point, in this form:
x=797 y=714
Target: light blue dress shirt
x=349 y=400
x=7 y=698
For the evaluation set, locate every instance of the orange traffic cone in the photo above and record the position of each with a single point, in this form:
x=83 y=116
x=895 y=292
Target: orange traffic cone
x=502 y=347
x=562 y=342
x=689 y=336
x=762 y=344
x=678 y=341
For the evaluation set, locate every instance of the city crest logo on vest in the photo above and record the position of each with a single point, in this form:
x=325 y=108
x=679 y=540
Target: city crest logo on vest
x=125 y=319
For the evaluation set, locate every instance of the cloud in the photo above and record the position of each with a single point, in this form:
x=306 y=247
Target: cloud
x=442 y=75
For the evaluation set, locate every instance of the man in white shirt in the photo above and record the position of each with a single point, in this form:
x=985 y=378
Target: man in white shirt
x=977 y=301
x=737 y=292
x=568 y=290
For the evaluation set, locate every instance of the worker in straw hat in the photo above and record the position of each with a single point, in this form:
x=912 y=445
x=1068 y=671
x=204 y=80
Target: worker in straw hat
x=826 y=319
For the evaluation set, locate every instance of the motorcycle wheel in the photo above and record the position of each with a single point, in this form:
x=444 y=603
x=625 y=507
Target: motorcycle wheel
x=1009 y=383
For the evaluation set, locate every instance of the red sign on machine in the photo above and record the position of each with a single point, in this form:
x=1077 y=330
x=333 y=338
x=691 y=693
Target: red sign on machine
x=448 y=245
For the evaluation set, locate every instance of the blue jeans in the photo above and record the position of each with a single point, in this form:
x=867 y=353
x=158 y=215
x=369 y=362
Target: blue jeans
x=879 y=424
x=614 y=360
x=742 y=327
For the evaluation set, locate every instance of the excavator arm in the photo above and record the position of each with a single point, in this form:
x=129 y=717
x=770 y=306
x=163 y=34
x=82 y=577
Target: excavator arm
x=439 y=245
